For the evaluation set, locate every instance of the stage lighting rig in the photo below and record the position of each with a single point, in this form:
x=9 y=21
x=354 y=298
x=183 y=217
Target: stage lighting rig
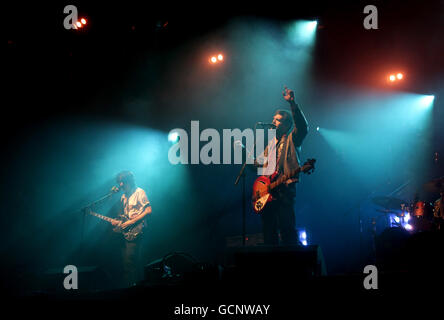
x=80 y=23
x=393 y=78
x=216 y=59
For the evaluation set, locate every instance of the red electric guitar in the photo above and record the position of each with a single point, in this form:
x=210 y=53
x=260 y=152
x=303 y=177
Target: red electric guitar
x=263 y=186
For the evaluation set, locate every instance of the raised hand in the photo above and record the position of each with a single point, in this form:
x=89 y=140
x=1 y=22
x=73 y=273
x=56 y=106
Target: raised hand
x=288 y=94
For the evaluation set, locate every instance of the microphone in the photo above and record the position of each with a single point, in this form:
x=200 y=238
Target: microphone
x=239 y=143
x=266 y=124
x=115 y=189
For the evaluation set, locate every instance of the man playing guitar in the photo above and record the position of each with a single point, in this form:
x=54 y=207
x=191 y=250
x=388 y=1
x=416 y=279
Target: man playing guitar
x=135 y=206
x=291 y=129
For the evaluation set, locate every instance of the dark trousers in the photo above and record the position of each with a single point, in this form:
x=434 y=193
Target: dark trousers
x=278 y=215
x=130 y=258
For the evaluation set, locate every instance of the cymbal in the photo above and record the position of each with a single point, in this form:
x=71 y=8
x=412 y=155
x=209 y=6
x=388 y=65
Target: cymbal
x=388 y=203
x=435 y=185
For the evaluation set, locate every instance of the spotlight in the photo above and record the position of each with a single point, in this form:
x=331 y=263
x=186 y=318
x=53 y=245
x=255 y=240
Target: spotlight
x=302 y=33
x=317 y=128
x=426 y=101
x=216 y=59
x=302 y=235
x=407 y=218
x=173 y=137
x=312 y=25
x=78 y=24
x=395 y=77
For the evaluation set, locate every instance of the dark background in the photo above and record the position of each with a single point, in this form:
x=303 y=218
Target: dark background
x=80 y=106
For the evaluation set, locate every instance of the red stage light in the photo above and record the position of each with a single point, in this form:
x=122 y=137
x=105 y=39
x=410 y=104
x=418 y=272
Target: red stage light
x=395 y=77
x=213 y=59
x=220 y=57
x=83 y=21
x=78 y=24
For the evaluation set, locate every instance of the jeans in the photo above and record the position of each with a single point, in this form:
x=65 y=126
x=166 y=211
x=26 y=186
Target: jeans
x=279 y=215
x=130 y=258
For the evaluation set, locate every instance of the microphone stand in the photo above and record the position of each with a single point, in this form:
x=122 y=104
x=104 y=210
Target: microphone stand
x=242 y=174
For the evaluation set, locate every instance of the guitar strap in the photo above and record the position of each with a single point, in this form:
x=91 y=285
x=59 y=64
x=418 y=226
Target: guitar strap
x=279 y=146
x=282 y=156
x=280 y=150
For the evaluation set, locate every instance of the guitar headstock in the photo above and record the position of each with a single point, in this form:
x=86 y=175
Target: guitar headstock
x=308 y=166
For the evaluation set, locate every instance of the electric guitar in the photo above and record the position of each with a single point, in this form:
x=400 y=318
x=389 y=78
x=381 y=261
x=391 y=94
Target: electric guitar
x=130 y=233
x=263 y=185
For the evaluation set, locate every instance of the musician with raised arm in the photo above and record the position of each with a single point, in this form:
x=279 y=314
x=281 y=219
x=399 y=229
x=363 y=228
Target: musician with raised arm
x=135 y=206
x=278 y=214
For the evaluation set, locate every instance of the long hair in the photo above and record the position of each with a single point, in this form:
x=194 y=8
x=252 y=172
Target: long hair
x=287 y=118
x=127 y=177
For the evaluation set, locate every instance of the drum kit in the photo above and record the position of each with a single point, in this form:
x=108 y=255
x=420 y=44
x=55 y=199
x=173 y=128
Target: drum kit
x=417 y=215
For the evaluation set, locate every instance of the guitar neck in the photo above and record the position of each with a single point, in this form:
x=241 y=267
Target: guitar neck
x=284 y=178
x=102 y=217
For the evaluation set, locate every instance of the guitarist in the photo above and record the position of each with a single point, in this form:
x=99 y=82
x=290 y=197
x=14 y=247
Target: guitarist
x=135 y=206
x=291 y=129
